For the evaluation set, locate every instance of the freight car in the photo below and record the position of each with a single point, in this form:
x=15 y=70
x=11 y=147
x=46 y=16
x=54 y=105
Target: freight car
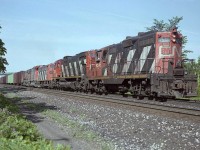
x=17 y=78
x=10 y=79
x=3 y=79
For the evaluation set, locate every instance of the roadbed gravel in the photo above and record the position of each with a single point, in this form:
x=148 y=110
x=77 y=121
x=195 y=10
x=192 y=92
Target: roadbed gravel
x=124 y=128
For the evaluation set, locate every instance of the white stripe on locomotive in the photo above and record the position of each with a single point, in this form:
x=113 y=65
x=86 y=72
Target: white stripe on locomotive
x=109 y=58
x=143 y=58
x=152 y=69
x=67 y=72
x=105 y=72
x=81 y=67
x=129 y=60
x=75 y=67
x=115 y=66
x=63 y=71
x=71 y=69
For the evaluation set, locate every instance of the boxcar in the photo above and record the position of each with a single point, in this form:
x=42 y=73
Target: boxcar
x=10 y=78
x=17 y=78
x=3 y=80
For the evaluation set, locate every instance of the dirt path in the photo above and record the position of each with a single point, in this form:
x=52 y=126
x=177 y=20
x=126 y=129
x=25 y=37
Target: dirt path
x=54 y=131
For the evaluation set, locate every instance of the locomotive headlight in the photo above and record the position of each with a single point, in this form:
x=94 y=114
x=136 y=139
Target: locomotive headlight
x=174 y=40
x=186 y=72
x=174 y=36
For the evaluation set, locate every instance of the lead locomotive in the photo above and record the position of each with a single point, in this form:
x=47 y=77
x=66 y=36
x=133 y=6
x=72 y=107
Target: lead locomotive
x=149 y=64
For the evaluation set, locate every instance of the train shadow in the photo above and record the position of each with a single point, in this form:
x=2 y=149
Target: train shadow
x=30 y=107
x=9 y=89
x=32 y=110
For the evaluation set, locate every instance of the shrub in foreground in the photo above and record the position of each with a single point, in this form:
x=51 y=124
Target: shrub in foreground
x=17 y=133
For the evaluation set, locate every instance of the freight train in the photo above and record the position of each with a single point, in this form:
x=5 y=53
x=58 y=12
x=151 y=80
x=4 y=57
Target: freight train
x=147 y=65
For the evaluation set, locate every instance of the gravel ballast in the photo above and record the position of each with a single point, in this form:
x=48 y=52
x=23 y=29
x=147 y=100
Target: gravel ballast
x=126 y=128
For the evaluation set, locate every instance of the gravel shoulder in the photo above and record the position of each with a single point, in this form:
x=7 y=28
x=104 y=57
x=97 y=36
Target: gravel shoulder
x=52 y=129
x=124 y=128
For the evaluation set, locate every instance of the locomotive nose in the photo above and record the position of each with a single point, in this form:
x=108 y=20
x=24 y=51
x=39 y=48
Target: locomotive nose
x=184 y=88
x=178 y=85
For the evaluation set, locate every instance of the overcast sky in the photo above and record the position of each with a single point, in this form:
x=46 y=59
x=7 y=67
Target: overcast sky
x=37 y=32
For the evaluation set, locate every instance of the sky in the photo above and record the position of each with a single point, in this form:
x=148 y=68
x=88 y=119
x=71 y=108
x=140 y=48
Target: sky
x=39 y=32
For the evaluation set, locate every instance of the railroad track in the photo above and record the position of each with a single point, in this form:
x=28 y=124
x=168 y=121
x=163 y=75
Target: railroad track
x=124 y=101
x=121 y=100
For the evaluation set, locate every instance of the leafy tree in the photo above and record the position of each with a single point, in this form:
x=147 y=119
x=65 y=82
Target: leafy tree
x=194 y=68
x=160 y=25
x=3 y=60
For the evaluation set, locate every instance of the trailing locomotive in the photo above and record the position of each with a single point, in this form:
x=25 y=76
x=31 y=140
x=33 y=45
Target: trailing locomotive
x=149 y=64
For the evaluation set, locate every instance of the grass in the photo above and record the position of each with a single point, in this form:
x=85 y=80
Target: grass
x=195 y=98
x=78 y=130
x=17 y=133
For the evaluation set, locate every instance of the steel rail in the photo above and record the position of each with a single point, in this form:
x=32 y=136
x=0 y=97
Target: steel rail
x=123 y=101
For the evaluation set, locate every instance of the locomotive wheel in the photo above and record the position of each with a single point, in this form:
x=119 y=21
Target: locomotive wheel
x=140 y=97
x=124 y=95
x=163 y=99
x=150 y=98
x=91 y=91
x=156 y=98
x=134 y=96
x=160 y=99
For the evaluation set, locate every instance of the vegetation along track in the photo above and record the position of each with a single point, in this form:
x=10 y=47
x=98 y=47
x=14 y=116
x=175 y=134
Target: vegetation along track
x=124 y=101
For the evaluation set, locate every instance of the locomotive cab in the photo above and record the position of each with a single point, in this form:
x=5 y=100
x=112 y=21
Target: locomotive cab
x=172 y=78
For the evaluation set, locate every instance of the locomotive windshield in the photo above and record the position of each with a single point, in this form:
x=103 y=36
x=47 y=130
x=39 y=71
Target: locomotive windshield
x=164 y=39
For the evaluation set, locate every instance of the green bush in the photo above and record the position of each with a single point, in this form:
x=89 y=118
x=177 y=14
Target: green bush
x=14 y=126
x=198 y=90
x=17 y=133
x=5 y=103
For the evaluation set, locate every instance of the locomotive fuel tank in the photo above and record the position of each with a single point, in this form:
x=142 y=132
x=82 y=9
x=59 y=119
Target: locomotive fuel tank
x=63 y=84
